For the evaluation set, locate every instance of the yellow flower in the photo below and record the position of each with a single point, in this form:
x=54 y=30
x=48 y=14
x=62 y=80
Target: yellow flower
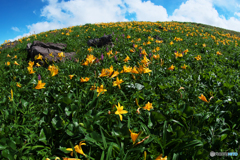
x=8 y=63
x=100 y=89
x=16 y=63
x=147 y=70
x=160 y=157
x=148 y=106
x=134 y=70
x=31 y=63
x=156 y=56
x=219 y=53
x=84 y=79
x=120 y=111
x=18 y=84
x=134 y=136
x=70 y=76
x=39 y=56
x=126 y=69
x=15 y=56
x=178 y=54
x=171 y=68
x=40 y=85
x=8 y=55
x=203 y=98
x=54 y=72
x=78 y=148
x=171 y=43
x=117 y=83
x=90 y=58
x=183 y=67
x=38 y=65
x=104 y=73
x=204 y=45
x=126 y=59
x=51 y=55
x=11 y=96
x=93 y=87
x=30 y=70
x=116 y=73
x=198 y=57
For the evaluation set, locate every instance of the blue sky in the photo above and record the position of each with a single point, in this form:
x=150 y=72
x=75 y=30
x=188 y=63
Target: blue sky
x=20 y=18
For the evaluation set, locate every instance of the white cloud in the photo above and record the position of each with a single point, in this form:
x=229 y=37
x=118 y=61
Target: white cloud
x=15 y=29
x=34 y=12
x=237 y=13
x=77 y=12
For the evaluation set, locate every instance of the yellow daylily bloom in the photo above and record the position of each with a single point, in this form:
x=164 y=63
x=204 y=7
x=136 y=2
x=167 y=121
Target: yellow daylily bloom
x=116 y=73
x=15 y=56
x=8 y=55
x=183 y=67
x=78 y=148
x=30 y=70
x=120 y=111
x=90 y=58
x=198 y=57
x=148 y=106
x=126 y=59
x=160 y=157
x=156 y=56
x=126 y=69
x=203 y=98
x=134 y=136
x=38 y=65
x=39 y=56
x=11 y=99
x=16 y=63
x=171 y=68
x=8 y=63
x=134 y=70
x=84 y=79
x=51 y=55
x=100 y=89
x=30 y=63
x=117 y=83
x=219 y=53
x=40 y=85
x=71 y=76
x=18 y=84
x=93 y=87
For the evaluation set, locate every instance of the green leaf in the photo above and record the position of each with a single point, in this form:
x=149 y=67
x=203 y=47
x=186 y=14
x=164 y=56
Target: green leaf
x=157 y=116
x=42 y=137
x=12 y=144
x=238 y=103
x=102 y=157
x=6 y=153
x=2 y=147
x=103 y=138
x=24 y=103
x=109 y=153
x=223 y=136
x=68 y=99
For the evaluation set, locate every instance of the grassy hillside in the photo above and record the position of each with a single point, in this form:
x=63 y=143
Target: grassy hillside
x=144 y=98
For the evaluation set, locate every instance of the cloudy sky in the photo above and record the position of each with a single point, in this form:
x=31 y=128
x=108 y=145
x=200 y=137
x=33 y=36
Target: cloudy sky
x=20 y=18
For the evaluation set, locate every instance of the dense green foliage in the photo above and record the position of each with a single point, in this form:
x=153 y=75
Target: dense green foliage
x=43 y=123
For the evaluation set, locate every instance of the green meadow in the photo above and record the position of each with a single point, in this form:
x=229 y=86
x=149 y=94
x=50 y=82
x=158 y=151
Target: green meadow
x=145 y=98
